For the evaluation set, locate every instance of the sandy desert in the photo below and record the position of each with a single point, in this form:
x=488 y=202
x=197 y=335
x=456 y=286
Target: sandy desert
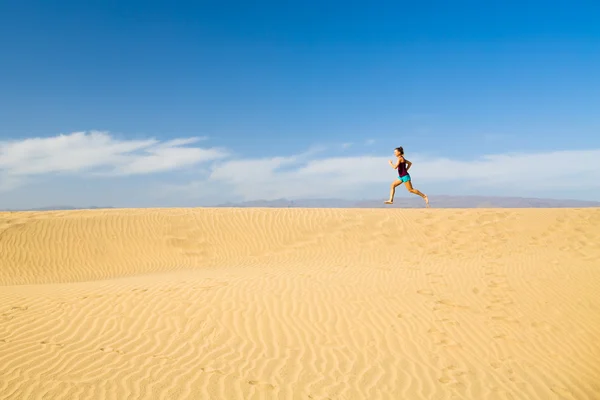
x=300 y=304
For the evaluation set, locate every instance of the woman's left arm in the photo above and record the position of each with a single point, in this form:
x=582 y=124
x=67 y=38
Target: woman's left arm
x=408 y=164
x=395 y=166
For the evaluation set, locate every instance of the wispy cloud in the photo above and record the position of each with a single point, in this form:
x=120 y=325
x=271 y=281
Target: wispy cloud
x=267 y=178
x=97 y=153
x=308 y=174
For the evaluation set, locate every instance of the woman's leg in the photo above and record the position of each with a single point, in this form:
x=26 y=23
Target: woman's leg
x=393 y=191
x=410 y=188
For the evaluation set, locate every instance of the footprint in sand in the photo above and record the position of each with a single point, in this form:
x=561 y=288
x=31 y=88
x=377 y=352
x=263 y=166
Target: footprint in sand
x=448 y=343
x=111 y=350
x=494 y=308
x=562 y=391
x=449 y=321
x=506 y=319
x=451 y=374
x=425 y=292
x=542 y=325
x=264 y=385
x=435 y=331
x=495 y=365
x=52 y=344
x=450 y=303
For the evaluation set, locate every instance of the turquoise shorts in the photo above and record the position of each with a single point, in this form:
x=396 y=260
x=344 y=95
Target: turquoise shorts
x=405 y=178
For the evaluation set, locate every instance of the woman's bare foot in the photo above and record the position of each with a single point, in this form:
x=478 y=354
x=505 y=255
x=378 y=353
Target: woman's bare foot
x=426 y=201
x=388 y=202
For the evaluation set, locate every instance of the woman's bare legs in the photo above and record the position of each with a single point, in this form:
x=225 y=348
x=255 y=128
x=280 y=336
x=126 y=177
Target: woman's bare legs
x=410 y=188
x=397 y=182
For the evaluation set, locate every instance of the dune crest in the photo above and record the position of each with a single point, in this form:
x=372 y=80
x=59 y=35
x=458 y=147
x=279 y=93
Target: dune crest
x=300 y=303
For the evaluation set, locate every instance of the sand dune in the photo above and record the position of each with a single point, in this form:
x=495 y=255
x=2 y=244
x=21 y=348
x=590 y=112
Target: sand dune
x=300 y=304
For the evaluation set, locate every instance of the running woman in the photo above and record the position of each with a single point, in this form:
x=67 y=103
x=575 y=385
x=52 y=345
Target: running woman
x=403 y=165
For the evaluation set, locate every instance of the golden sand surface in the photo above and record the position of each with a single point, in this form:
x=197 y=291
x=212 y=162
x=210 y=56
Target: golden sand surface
x=300 y=304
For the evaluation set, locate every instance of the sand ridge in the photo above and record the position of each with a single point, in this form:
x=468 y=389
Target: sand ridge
x=300 y=303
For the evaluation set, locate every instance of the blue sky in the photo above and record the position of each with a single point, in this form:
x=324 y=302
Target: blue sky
x=161 y=104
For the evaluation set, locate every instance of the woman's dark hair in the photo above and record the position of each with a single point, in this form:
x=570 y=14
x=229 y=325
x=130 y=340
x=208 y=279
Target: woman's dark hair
x=400 y=150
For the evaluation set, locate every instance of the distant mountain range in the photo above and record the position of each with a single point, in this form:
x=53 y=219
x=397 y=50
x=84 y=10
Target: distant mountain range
x=412 y=202
x=416 y=202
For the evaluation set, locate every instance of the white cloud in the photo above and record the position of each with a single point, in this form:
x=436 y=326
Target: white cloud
x=296 y=177
x=220 y=178
x=369 y=142
x=97 y=153
x=538 y=170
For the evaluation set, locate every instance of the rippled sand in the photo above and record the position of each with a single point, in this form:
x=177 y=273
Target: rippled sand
x=300 y=304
